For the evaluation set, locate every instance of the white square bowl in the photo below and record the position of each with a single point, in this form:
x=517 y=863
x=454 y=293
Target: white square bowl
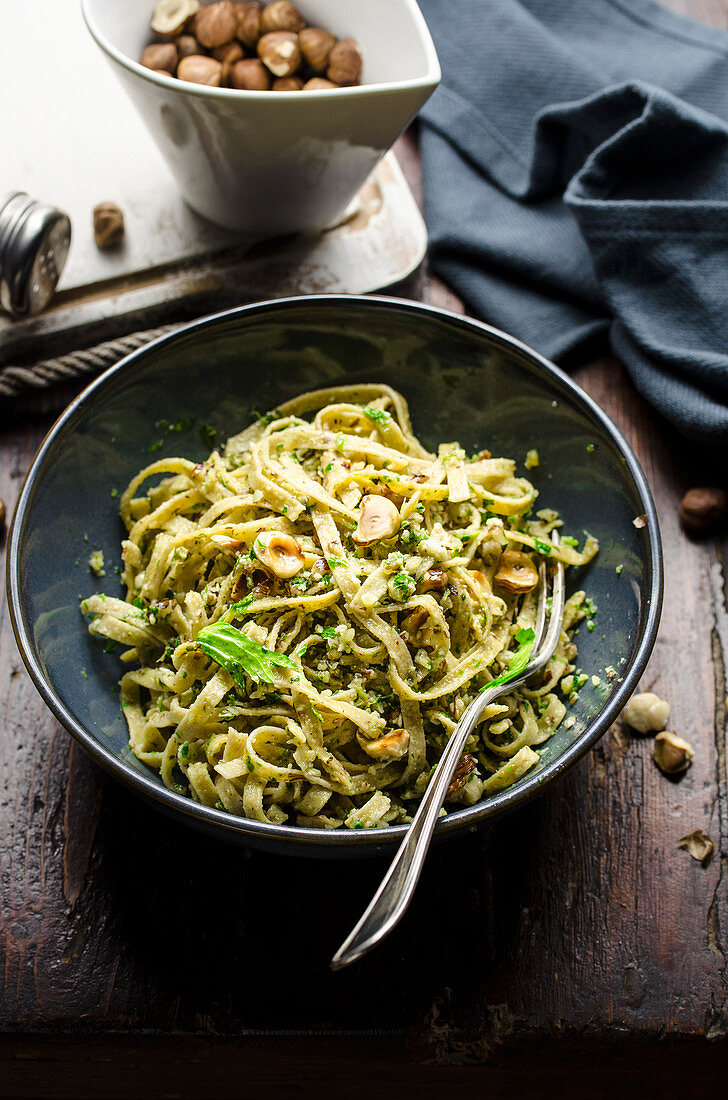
x=267 y=163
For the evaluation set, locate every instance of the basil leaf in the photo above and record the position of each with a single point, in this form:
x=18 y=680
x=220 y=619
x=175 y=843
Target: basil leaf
x=239 y=654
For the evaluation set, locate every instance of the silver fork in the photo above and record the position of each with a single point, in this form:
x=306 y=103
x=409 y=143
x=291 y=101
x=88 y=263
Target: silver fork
x=388 y=905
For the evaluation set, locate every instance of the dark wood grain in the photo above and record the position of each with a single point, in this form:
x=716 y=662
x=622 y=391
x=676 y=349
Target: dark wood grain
x=571 y=950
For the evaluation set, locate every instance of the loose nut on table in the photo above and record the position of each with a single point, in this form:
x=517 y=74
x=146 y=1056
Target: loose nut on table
x=316 y=45
x=671 y=754
x=216 y=24
x=281 y=16
x=160 y=55
x=200 y=70
x=703 y=508
x=279 y=52
x=171 y=16
x=345 y=63
x=2 y=514
x=647 y=712
x=287 y=84
x=250 y=75
x=248 y=29
x=108 y=224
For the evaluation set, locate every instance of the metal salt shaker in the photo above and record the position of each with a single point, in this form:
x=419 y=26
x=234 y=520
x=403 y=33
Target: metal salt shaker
x=34 y=243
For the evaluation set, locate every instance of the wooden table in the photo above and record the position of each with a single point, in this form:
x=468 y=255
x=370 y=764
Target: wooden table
x=570 y=950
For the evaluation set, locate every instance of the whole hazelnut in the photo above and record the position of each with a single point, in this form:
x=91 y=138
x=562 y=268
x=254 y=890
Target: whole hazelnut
x=227 y=55
x=248 y=28
x=250 y=75
x=216 y=24
x=703 y=508
x=160 y=55
x=647 y=712
x=345 y=62
x=316 y=45
x=200 y=70
x=319 y=83
x=187 y=45
x=108 y=222
x=287 y=84
x=171 y=16
x=279 y=52
x=280 y=16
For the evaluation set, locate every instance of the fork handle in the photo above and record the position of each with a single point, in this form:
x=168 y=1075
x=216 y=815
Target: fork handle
x=395 y=892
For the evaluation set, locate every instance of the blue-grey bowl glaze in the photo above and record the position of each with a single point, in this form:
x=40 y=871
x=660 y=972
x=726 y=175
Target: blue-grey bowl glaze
x=463 y=381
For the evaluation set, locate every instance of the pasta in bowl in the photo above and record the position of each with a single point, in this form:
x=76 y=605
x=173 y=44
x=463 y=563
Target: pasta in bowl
x=309 y=611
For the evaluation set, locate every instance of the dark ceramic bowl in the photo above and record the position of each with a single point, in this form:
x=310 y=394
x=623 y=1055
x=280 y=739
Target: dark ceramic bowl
x=463 y=381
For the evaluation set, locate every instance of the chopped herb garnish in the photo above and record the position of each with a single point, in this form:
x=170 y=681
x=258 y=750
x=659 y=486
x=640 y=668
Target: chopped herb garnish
x=589 y=448
x=328 y=632
x=155 y=446
x=114 y=493
x=381 y=418
x=543 y=547
x=333 y=562
x=618 y=569
x=525 y=639
x=84 y=673
x=569 y=540
x=208 y=435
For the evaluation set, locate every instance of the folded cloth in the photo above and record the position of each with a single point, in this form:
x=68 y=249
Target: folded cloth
x=575 y=163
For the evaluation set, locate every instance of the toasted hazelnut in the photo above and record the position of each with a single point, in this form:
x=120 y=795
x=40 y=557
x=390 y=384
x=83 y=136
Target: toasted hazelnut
x=280 y=16
x=187 y=46
x=108 y=222
x=250 y=75
x=412 y=623
x=697 y=844
x=171 y=16
x=287 y=84
x=434 y=580
x=479 y=577
x=378 y=519
x=216 y=24
x=316 y=45
x=200 y=70
x=703 y=508
x=392 y=746
x=345 y=63
x=465 y=766
x=516 y=572
x=227 y=55
x=646 y=712
x=279 y=52
x=280 y=553
x=671 y=753
x=319 y=83
x=160 y=55
x=248 y=28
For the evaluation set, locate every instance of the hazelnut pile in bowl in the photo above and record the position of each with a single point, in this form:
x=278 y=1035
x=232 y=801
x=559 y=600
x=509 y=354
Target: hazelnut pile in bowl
x=244 y=45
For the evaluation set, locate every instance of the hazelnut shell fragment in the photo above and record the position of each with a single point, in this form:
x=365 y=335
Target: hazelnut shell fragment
x=698 y=844
x=250 y=75
x=647 y=712
x=671 y=754
x=280 y=53
x=464 y=768
x=108 y=224
x=171 y=16
x=160 y=55
x=378 y=519
x=281 y=15
x=345 y=63
x=516 y=572
x=200 y=70
x=316 y=45
x=216 y=24
x=703 y=508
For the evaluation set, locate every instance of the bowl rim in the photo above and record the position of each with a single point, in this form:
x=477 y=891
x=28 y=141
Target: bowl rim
x=430 y=79
x=355 y=841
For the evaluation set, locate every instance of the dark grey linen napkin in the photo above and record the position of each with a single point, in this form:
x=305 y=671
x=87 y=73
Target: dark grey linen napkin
x=575 y=163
